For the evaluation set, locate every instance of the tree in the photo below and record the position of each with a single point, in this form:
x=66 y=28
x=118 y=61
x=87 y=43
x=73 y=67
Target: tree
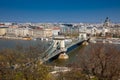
x=102 y=61
x=9 y=58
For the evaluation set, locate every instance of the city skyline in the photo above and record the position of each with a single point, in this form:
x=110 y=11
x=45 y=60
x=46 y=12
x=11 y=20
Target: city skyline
x=59 y=11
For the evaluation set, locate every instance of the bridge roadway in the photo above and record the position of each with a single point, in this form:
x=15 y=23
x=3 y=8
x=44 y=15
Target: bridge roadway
x=52 y=52
x=73 y=43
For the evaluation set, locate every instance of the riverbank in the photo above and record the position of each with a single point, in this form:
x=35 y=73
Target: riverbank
x=16 y=38
x=105 y=40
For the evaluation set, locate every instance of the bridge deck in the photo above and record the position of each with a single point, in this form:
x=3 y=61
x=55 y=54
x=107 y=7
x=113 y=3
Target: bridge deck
x=54 y=51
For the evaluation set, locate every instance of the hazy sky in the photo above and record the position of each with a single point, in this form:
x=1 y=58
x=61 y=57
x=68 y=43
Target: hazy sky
x=59 y=10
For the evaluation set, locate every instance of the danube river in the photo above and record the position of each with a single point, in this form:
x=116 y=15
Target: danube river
x=6 y=43
x=73 y=55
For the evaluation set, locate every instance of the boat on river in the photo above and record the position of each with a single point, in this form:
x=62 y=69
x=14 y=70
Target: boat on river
x=27 y=38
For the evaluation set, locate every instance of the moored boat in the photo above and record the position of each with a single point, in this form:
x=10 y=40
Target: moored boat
x=27 y=38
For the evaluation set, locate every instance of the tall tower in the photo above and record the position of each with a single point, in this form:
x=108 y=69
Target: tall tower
x=106 y=22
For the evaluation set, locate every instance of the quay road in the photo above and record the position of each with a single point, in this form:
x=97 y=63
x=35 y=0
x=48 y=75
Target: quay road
x=104 y=40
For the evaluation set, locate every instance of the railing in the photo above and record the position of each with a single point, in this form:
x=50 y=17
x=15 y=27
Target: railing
x=74 y=42
x=56 y=51
x=52 y=55
x=47 y=51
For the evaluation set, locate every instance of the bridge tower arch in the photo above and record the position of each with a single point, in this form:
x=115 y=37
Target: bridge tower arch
x=59 y=43
x=82 y=36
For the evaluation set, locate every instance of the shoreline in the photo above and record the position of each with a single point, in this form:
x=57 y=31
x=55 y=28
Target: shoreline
x=15 y=38
x=106 y=40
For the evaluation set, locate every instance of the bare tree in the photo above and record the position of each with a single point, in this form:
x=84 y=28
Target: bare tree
x=10 y=57
x=101 y=61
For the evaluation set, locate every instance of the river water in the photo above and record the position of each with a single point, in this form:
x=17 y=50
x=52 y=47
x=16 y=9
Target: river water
x=73 y=55
x=5 y=43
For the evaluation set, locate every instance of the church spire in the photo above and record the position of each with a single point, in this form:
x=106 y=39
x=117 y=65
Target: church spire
x=106 y=22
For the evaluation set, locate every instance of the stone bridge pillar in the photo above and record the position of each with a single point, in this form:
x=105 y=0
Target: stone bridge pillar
x=82 y=36
x=59 y=43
